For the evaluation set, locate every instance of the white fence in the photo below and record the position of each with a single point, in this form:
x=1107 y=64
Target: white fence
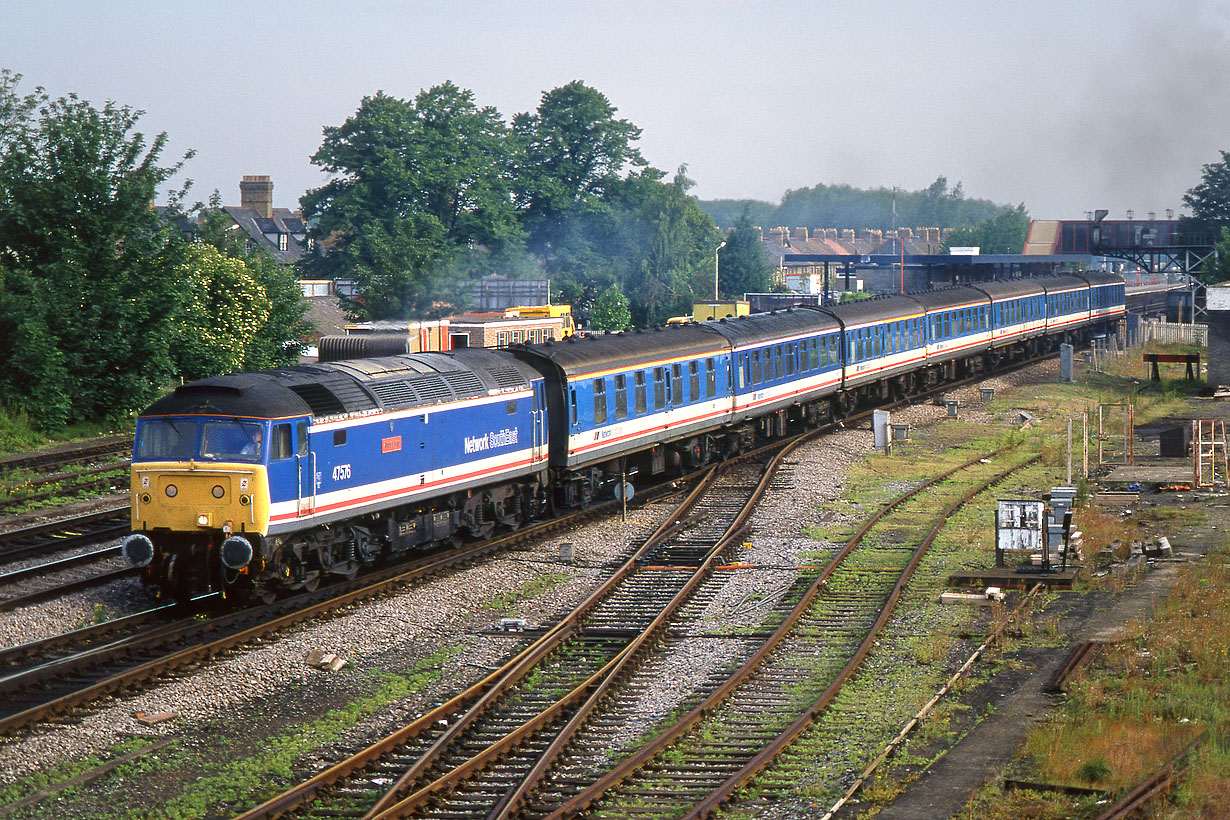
x=1168 y=332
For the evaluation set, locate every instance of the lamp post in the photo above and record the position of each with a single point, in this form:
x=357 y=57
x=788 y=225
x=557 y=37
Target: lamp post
x=715 y=274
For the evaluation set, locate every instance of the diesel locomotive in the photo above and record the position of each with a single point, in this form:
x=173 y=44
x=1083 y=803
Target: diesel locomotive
x=255 y=483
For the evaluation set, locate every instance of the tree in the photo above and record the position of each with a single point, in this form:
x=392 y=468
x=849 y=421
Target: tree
x=223 y=310
x=88 y=270
x=570 y=152
x=742 y=264
x=1216 y=267
x=1003 y=233
x=611 y=311
x=414 y=183
x=668 y=245
x=843 y=206
x=1209 y=200
x=277 y=341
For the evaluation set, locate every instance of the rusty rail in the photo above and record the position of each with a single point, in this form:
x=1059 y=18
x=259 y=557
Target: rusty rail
x=1080 y=655
x=515 y=798
x=647 y=753
x=501 y=678
x=1154 y=785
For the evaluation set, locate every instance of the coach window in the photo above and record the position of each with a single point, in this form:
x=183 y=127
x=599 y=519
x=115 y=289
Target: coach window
x=638 y=380
x=510 y=408
x=281 y=442
x=659 y=388
x=621 y=396
x=339 y=438
x=710 y=378
x=694 y=380
x=599 y=401
x=757 y=373
x=676 y=389
x=791 y=355
x=573 y=399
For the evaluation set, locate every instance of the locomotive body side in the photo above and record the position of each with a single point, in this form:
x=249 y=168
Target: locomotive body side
x=281 y=477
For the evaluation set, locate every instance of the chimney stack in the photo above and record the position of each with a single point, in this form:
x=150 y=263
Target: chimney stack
x=256 y=192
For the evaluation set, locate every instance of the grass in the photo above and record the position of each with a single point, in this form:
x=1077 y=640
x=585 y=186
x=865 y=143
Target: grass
x=1139 y=705
x=215 y=772
x=18 y=434
x=507 y=601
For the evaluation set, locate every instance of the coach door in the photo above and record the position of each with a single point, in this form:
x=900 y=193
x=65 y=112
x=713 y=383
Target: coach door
x=305 y=462
x=539 y=424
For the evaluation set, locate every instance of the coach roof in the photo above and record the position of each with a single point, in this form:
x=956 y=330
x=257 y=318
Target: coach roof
x=578 y=356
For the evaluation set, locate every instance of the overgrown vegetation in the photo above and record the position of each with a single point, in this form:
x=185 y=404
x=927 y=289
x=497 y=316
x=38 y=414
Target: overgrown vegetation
x=229 y=775
x=507 y=601
x=1135 y=708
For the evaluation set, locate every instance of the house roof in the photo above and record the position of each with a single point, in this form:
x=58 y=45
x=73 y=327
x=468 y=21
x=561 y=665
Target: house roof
x=264 y=231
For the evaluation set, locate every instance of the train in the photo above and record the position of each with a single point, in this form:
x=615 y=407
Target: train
x=254 y=484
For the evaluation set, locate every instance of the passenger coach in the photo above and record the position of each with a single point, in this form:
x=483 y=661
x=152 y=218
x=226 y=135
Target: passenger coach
x=631 y=402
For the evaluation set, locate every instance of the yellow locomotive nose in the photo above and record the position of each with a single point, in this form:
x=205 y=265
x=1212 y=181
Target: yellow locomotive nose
x=186 y=497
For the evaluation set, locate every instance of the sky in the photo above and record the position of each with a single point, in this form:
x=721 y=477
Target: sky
x=1065 y=106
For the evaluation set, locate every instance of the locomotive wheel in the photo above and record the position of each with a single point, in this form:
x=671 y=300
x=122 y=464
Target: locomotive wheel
x=312 y=582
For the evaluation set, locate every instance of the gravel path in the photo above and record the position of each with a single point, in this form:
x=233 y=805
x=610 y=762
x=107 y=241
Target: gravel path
x=454 y=612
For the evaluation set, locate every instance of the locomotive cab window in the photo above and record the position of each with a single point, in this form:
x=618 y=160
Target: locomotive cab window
x=167 y=440
x=281 y=445
x=232 y=440
x=302 y=432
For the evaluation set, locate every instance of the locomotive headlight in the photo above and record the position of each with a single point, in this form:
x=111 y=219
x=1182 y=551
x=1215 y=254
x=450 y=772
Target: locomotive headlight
x=218 y=491
x=172 y=491
x=202 y=520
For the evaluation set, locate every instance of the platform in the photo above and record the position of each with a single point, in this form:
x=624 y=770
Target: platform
x=1169 y=471
x=1009 y=578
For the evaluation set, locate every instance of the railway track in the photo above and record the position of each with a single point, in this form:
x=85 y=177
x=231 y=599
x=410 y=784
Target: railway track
x=68 y=470
x=456 y=757
x=66 y=533
x=525 y=739
x=57 y=675
x=18 y=492
x=51 y=579
x=68 y=454
x=693 y=767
